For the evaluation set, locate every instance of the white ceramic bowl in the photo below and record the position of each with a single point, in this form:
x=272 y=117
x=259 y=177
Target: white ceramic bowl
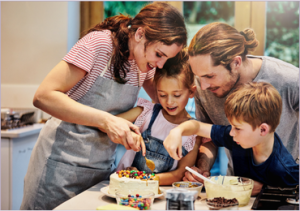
x=189 y=186
x=232 y=187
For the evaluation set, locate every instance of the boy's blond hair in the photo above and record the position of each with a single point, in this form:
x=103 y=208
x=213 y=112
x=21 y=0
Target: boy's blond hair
x=255 y=103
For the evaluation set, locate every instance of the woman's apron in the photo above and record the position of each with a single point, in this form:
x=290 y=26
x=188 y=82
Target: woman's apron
x=155 y=150
x=70 y=158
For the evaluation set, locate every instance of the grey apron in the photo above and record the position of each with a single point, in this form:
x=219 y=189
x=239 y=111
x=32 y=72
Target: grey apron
x=69 y=158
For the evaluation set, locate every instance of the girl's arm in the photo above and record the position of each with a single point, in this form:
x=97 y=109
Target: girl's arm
x=167 y=178
x=132 y=114
x=51 y=98
x=192 y=127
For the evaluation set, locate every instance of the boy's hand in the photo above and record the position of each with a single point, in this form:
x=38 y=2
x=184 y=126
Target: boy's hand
x=173 y=144
x=139 y=141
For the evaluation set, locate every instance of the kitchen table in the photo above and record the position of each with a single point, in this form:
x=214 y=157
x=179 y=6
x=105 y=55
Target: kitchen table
x=93 y=198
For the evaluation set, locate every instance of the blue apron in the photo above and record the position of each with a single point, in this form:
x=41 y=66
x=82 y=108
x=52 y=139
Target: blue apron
x=155 y=150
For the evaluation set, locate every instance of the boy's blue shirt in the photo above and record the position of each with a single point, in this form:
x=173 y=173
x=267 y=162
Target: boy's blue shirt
x=279 y=170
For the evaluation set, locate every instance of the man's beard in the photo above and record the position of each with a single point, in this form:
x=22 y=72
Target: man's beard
x=229 y=86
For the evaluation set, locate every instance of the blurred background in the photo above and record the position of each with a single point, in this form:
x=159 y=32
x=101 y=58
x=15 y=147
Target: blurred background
x=36 y=35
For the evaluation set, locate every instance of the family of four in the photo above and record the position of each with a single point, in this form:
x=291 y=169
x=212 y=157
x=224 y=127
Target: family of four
x=248 y=104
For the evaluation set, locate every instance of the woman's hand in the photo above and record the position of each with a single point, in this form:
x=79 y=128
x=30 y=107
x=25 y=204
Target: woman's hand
x=120 y=130
x=173 y=143
x=138 y=139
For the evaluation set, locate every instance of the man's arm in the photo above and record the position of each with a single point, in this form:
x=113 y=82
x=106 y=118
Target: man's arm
x=167 y=178
x=206 y=158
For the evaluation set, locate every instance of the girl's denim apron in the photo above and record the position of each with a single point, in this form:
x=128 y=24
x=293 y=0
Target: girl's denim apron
x=155 y=150
x=70 y=158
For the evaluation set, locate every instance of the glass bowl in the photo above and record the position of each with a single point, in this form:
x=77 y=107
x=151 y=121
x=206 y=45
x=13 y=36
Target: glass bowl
x=189 y=186
x=142 y=201
x=230 y=187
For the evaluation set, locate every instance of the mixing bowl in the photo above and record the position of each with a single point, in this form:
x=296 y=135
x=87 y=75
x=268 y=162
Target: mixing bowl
x=189 y=186
x=230 y=187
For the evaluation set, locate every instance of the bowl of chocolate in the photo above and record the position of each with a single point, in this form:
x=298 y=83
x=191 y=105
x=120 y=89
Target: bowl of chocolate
x=230 y=187
x=221 y=203
x=189 y=186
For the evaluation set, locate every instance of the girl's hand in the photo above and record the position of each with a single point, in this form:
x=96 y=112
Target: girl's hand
x=173 y=144
x=120 y=130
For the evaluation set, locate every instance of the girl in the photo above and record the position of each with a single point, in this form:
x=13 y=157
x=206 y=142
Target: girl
x=174 y=86
x=99 y=78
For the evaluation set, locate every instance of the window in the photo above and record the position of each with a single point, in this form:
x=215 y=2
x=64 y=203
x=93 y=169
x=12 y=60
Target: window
x=282 y=31
x=112 y=8
x=200 y=13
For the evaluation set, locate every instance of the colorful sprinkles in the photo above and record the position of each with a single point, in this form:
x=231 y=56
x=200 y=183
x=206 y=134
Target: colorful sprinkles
x=136 y=201
x=135 y=174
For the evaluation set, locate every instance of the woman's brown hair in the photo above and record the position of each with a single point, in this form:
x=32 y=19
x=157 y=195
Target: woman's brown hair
x=161 y=22
x=223 y=43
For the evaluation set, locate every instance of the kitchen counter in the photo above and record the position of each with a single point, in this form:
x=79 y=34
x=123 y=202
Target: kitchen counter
x=23 y=131
x=93 y=198
x=16 y=147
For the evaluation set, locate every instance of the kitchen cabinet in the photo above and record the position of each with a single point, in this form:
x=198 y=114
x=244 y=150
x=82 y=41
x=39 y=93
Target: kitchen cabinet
x=16 y=148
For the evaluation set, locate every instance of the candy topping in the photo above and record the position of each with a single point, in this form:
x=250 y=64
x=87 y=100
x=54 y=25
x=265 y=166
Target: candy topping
x=135 y=174
x=136 y=202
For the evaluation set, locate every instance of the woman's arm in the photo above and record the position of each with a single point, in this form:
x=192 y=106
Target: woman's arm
x=51 y=98
x=167 y=178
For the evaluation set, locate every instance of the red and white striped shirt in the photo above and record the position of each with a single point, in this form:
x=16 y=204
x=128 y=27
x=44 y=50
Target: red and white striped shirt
x=92 y=53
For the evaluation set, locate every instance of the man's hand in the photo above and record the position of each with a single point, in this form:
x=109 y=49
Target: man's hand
x=256 y=188
x=193 y=178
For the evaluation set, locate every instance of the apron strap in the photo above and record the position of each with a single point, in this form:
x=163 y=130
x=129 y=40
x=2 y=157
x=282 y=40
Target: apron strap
x=108 y=65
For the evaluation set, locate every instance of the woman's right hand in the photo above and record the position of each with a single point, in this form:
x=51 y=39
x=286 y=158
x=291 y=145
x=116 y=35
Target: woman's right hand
x=120 y=131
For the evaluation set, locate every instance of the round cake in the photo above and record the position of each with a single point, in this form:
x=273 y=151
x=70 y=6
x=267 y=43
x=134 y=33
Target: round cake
x=133 y=181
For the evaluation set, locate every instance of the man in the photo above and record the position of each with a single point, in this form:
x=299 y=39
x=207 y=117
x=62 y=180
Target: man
x=218 y=58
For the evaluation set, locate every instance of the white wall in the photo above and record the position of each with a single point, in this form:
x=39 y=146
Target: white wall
x=35 y=36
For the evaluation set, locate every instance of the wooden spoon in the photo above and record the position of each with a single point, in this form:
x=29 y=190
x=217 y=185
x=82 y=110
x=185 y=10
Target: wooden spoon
x=150 y=164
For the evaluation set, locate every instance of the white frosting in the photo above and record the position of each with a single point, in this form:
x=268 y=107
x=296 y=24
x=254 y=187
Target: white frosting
x=124 y=183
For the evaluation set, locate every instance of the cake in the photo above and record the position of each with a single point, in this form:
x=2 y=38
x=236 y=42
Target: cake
x=133 y=181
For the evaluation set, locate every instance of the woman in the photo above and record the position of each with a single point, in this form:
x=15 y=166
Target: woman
x=99 y=78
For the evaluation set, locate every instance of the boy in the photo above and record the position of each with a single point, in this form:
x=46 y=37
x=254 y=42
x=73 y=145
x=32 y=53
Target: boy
x=253 y=110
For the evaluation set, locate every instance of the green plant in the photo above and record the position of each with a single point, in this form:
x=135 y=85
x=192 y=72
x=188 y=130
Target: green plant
x=112 y=8
x=282 y=31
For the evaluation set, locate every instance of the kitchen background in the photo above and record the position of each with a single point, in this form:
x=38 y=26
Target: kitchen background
x=35 y=36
